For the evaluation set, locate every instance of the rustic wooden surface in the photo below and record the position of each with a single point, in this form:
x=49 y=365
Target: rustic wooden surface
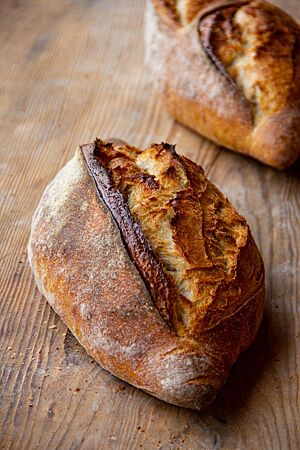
x=70 y=71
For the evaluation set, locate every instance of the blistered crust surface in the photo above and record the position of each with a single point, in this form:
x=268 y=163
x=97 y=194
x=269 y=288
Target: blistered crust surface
x=192 y=229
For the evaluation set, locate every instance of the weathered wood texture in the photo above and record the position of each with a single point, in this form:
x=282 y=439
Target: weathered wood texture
x=70 y=71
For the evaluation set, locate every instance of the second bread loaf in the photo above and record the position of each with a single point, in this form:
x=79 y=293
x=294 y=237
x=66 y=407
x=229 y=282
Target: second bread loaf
x=231 y=71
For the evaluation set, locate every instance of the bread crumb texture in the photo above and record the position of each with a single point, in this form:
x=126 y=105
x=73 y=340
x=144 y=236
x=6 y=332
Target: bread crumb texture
x=192 y=228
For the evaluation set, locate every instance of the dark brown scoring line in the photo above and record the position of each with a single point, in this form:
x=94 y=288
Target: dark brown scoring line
x=139 y=249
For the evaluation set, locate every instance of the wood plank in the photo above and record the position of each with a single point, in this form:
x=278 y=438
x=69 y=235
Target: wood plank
x=71 y=71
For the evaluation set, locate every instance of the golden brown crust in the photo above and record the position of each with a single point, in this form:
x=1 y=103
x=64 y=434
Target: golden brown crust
x=193 y=266
x=233 y=62
x=82 y=264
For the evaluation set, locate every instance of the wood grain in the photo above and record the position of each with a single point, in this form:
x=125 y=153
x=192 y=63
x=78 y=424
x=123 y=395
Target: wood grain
x=70 y=71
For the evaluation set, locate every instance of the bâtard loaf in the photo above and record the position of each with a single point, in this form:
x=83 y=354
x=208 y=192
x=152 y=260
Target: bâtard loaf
x=150 y=267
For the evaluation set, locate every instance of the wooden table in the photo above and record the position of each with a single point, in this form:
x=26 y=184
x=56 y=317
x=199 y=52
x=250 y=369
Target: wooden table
x=71 y=71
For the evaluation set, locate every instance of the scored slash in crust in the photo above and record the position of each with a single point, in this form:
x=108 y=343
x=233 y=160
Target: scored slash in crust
x=137 y=246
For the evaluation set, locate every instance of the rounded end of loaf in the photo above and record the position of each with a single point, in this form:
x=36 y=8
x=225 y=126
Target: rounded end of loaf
x=276 y=141
x=184 y=376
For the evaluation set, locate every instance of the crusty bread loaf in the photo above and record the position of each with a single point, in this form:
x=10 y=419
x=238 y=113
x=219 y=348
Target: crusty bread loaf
x=150 y=267
x=231 y=71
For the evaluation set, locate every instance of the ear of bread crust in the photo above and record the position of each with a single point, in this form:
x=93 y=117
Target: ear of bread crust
x=82 y=267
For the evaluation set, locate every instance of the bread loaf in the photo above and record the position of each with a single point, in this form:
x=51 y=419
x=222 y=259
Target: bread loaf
x=150 y=267
x=231 y=71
